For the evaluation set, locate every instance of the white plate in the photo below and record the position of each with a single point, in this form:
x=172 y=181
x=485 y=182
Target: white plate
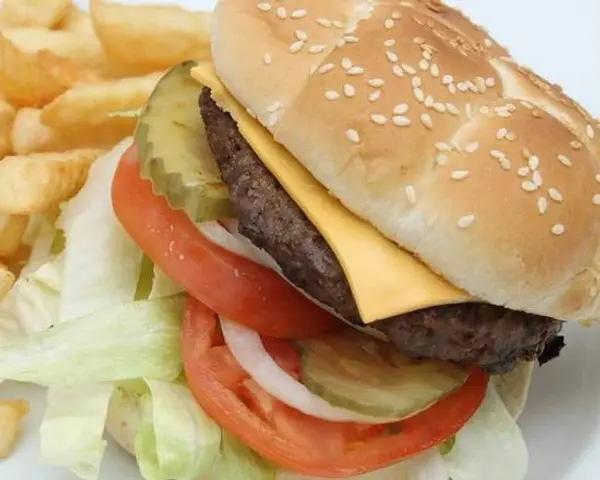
x=562 y=421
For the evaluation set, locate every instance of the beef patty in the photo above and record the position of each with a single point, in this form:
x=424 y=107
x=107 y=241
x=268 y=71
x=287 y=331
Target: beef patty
x=493 y=337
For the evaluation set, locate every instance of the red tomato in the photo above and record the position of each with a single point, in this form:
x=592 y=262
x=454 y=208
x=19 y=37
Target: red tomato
x=298 y=442
x=233 y=286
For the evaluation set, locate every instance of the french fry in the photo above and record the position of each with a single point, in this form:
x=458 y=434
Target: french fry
x=64 y=70
x=151 y=36
x=12 y=413
x=77 y=21
x=34 y=183
x=7 y=114
x=79 y=47
x=30 y=135
x=38 y=13
x=22 y=80
x=12 y=228
x=93 y=104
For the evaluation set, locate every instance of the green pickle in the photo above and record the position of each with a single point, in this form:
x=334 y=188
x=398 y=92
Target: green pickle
x=371 y=377
x=173 y=149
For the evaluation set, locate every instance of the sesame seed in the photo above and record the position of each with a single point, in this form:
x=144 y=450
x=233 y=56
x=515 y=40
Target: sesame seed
x=267 y=58
x=281 y=13
x=427 y=55
x=504 y=114
x=484 y=109
x=576 y=145
x=529 y=186
x=391 y=56
x=453 y=109
x=537 y=178
x=296 y=46
x=379 y=119
x=377 y=82
x=273 y=107
x=523 y=171
x=452 y=88
x=355 y=70
x=558 y=229
x=340 y=43
x=534 y=162
x=416 y=82
x=490 y=82
x=536 y=114
x=501 y=133
x=596 y=199
x=419 y=40
x=439 y=107
x=505 y=164
x=401 y=121
x=328 y=67
x=590 y=131
x=350 y=39
x=424 y=65
x=456 y=145
x=511 y=136
x=352 y=135
x=471 y=147
x=419 y=94
x=389 y=23
x=346 y=63
x=349 y=90
x=555 y=195
x=441 y=159
x=332 y=95
x=397 y=70
x=408 y=69
x=411 y=194
x=461 y=86
x=396 y=15
x=429 y=101
x=447 y=79
x=459 y=174
x=301 y=35
x=542 y=205
x=487 y=42
x=565 y=160
x=400 y=109
x=338 y=24
x=435 y=70
x=471 y=86
x=374 y=95
x=443 y=147
x=427 y=120
x=480 y=84
x=324 y=22
x=389 y=43
x=351 y=29
x=497 y=154
x=466 y=221
x=317 y=48
x=264 y=6
x=299 y=13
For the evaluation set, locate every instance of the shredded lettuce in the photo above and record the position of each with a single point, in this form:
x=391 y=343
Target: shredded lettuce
x=102 y=265
x=163 y=285
x=73 y=427
x=176 y=439
x=237 y=461
x=490 y=445
x=133 y=340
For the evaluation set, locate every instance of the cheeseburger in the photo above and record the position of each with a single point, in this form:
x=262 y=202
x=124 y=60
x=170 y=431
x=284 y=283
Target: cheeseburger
x=415 y=216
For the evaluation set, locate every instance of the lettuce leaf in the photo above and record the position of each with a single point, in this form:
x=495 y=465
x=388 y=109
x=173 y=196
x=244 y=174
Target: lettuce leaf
x=237 y=461
x=176 y=439
x=73 y=426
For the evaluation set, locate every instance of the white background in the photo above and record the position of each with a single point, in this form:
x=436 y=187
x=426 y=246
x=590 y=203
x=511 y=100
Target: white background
x=561 y=40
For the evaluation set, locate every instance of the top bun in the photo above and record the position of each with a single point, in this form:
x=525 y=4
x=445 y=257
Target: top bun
x=424 y=126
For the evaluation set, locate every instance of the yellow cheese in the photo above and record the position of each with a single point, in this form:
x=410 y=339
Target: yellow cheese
x=385 y=279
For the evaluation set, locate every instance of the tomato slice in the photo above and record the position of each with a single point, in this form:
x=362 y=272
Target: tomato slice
x=298 y=442
x=234 y=286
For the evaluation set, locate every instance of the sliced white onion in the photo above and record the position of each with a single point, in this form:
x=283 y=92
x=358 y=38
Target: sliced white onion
x=248 y=349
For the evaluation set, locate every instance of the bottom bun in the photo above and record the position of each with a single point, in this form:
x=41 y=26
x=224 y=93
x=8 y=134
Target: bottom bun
x=124 y=417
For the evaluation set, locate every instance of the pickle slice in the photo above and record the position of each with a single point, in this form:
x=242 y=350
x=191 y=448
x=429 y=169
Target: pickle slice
x=357 y=372
x=173 y=150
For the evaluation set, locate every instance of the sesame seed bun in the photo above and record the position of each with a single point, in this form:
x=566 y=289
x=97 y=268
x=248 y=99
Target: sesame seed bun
x=423 y=125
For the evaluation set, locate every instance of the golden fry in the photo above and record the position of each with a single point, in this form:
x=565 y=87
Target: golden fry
x=64 y=70
x=81 y=48
x=12 y=228
x=29 y=134
x=12 y=413
x=76 y=20
x=34 y=183
x=93 y=104
x=7 y=114
x=33 y=13
x=151 y=36
x=22 y=80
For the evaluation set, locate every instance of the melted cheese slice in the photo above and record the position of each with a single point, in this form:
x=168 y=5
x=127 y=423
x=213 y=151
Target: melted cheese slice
x=385 y=279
